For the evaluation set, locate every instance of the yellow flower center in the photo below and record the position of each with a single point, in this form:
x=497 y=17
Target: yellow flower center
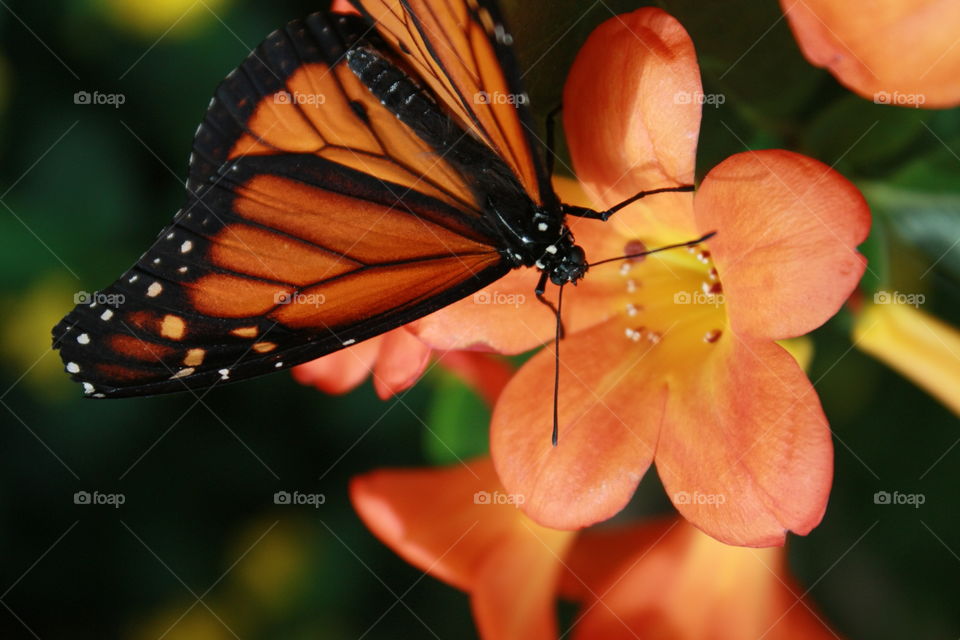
x=672 y=301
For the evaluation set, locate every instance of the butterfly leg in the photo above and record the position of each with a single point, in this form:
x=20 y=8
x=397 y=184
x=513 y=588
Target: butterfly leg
x=584 y=212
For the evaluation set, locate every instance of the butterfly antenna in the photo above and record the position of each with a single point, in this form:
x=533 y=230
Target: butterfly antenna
x=556 y=370
x=679 y=245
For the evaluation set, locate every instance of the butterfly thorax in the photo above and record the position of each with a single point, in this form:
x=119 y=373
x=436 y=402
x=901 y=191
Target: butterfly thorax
x=541 y=240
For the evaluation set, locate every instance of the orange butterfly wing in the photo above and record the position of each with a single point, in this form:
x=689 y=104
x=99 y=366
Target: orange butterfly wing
x=315 y=219
x=461 y=49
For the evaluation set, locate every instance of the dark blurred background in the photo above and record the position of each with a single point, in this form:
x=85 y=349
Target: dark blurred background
x=199 y=550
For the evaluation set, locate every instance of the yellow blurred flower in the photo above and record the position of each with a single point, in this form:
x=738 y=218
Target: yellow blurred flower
x=153 y=18
x=276 y=568
x=801 y=349
x=179 y=624
x=25 y=341
x=917 y=345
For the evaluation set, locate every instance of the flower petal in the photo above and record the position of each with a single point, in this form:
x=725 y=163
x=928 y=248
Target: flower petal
x=402 y=360
x=745 y=451
x=787 y=231
x=677 y=583
x=631 y=108
x=897 y=52
x=608 y=428
x=343 y=6
x=516 y=587
x=486 y=373
x=919 y=346
x=504 y=317
x=434 y=520
x=507 y=318
x=342 y=371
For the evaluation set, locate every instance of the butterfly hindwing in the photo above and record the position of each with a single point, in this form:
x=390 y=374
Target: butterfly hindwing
x=315 y=219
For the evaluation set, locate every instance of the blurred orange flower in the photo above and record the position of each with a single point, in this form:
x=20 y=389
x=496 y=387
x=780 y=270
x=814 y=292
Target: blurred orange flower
x=901 y=52
x=664 y=580
x=458 y=525
x=667 y=581
x=684 y=369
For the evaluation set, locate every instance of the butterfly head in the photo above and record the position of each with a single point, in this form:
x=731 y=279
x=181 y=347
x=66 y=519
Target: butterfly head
x=569 y=263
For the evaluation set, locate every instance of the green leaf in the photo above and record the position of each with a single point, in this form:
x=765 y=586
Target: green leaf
x=458 y=422
x=929 y=221
x=858 y=136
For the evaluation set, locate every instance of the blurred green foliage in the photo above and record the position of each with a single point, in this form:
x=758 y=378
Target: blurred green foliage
x=86 y=187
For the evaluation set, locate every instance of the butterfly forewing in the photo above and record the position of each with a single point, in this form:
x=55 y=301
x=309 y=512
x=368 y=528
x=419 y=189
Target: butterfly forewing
x=461 y=50
x=315 y=219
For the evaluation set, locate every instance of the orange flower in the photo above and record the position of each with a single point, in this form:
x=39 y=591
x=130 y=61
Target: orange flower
x=458 y=525
x=342 y=6
x=890 y=51
x=676 y=360
x=666 y=580
x=663 y=580
x=396 y=361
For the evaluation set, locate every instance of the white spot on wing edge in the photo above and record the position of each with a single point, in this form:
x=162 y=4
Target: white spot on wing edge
x=83 y=338
x=349 y=342
x=154 y=290
x=183 y=373
x=73 y=367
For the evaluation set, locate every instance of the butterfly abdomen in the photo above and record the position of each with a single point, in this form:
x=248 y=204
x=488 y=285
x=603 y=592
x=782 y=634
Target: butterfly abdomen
x=407 y=101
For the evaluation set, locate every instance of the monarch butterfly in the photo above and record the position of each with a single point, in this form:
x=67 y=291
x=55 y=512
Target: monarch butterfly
x=367 y=162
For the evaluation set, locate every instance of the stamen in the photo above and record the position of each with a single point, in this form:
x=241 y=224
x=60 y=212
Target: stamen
x=712 y=336
x=635 y=246
x=711 y=288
